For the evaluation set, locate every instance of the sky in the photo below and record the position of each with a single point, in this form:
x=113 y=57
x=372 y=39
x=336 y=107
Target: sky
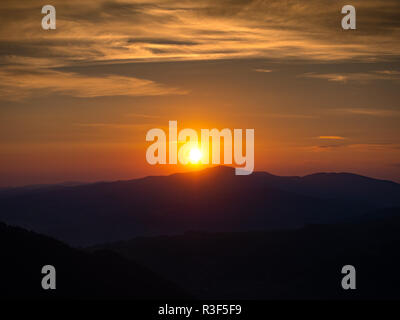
x=76 y=102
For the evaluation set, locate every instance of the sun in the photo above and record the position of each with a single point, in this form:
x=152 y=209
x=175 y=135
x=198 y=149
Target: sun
x=195 y=155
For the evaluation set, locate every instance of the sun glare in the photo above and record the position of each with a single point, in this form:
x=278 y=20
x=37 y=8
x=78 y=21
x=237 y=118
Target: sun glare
x=195 y=155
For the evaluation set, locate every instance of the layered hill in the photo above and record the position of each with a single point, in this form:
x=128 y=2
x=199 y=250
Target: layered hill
x=213 y=199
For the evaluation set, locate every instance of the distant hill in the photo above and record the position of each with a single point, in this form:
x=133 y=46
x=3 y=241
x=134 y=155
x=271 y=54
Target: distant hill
x=341 y=186
x=12 y=191
x=83 y=275
x=281 y=264
x=213 y=199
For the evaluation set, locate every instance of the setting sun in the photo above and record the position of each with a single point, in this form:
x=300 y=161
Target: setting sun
x=195 y=155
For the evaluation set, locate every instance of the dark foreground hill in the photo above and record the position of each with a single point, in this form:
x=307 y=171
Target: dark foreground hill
x=79 y=275
x=287 y=264
x=214 y=199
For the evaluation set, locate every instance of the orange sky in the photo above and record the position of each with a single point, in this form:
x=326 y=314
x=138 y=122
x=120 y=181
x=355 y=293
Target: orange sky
x=76 y=102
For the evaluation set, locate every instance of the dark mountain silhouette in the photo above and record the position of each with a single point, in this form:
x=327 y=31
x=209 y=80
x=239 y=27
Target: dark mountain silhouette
x=341 y=186
x=83 y=275
x=12 y=191
x=213 y=199
x=283 y=264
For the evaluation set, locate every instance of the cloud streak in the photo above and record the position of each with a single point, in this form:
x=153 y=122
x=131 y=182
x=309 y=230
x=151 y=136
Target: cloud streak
x=21 y=84
x=370 y=112
x=331 y=138
x=360 y=77
x=355 y=147
x=263 y=70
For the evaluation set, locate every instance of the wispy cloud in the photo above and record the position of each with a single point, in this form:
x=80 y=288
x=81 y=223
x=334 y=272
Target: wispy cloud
x=263 y=70
x=355 y=147
x=325 y=147
x=369 y=112
x=136 y=30
x=105 y=32
x=361 y=77
x=389 y=72
x=331 y=138
x=17 y=84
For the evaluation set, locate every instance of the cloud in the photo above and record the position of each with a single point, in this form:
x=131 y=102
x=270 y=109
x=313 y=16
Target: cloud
x=18 y=84
x=105 y=32
x=361 y=77
x=163 y=41
x=331 y=138
x=326 y=147
x=263 y=70
x=355 y=147
x=389 y=72
x=143 y=30
x=370 y=112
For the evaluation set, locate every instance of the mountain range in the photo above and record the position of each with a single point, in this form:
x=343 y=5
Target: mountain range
x=206 y=234
x=213 y=200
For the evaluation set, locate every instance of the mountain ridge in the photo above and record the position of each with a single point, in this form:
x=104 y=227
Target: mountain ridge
x=213 y=199
x=68 y=184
